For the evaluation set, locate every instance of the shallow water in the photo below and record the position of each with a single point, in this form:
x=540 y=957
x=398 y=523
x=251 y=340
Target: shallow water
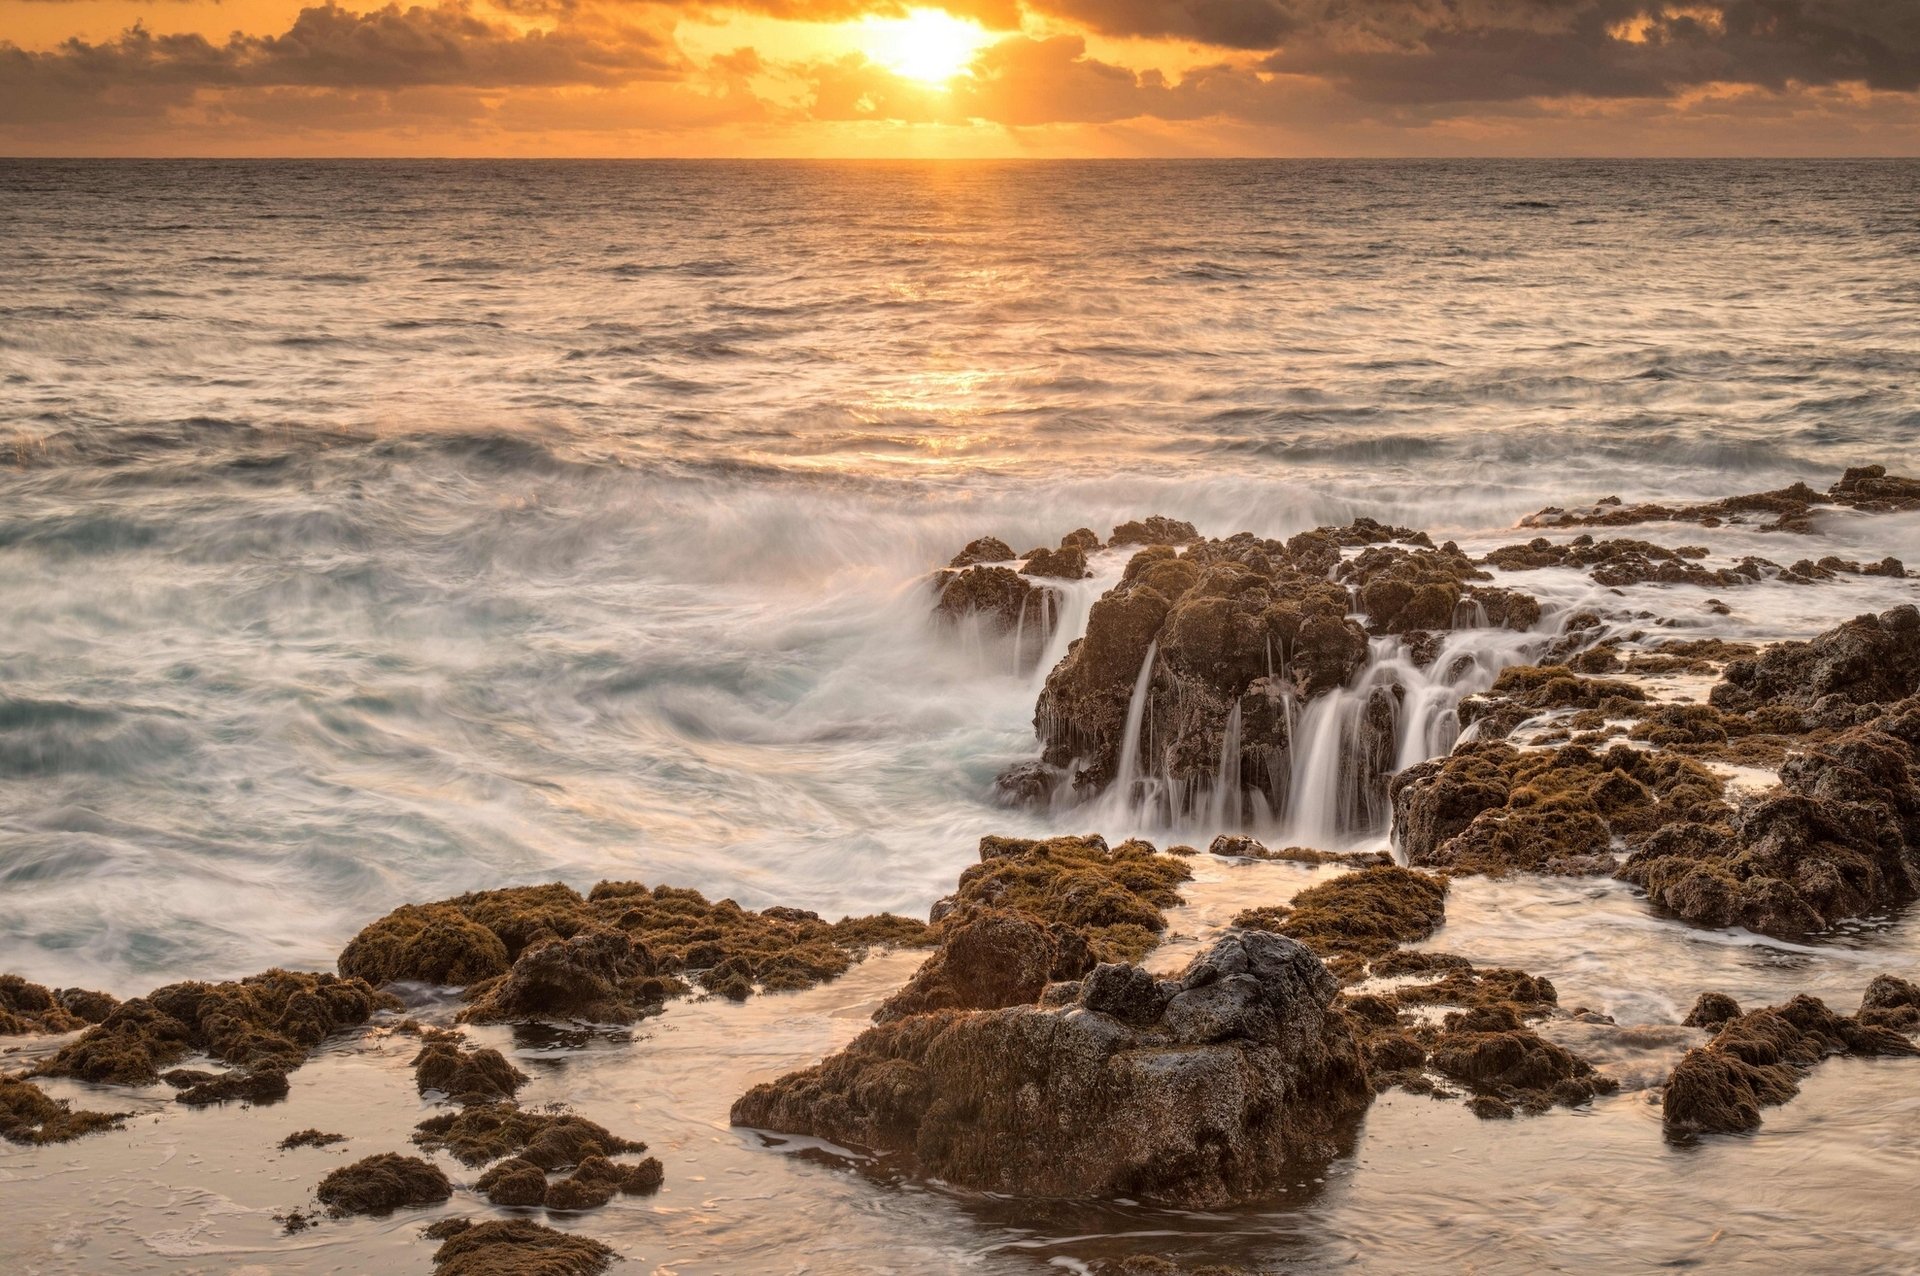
x=373 y=532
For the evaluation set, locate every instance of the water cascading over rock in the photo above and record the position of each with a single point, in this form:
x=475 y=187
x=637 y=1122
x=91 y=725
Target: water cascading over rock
x=1256 y=682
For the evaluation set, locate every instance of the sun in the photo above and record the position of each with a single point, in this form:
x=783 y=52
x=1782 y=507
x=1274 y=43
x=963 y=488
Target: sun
x=926 y=45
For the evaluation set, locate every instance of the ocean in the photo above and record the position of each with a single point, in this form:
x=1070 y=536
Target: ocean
x=376 y=531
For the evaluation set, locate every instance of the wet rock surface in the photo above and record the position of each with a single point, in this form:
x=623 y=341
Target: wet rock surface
x=1757 y=1060
x=310 y=1138
x=549 y=1140
x=1197 y=1091
x=1357 y=916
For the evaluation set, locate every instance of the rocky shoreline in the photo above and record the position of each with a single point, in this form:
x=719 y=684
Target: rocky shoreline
x=1035 y=1053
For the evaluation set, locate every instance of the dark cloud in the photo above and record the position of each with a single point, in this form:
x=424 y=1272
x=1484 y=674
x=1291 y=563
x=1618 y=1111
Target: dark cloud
x=1493 y=50
x=333 y=48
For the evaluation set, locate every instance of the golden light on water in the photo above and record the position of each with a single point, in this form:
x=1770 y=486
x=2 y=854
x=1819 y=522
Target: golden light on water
x=927 y=45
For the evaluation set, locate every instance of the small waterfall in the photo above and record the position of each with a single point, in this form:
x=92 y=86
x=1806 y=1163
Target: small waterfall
x=1129 y=771
x=1226 y=782
x=1326 y=762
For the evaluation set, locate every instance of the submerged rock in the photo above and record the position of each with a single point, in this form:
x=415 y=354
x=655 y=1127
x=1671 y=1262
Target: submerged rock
x=382 y=1184
x=259 y=1085
x=28 y=1115
x=33 y=1008
x=310 y=1138
x=516 y=1247
x=482 y=1133
x=1213 y=1088
x=267 y=1021
x=1756 y=1061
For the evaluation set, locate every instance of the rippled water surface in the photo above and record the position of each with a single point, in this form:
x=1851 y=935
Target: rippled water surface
x=372 y=532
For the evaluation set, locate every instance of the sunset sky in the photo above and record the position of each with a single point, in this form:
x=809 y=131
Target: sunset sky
x=972 y=78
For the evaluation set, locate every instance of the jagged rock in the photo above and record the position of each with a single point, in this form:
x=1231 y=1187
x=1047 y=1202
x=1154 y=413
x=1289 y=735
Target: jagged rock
x=1404 y=591
x=1094 y=899
x=1359 y=915
x=267 y=1021
x=1868 y=660
x=1521 y=692
x=1006 y=603
x=1617 y=563
x=1891 y=1002
x=1084 y=539
x=382 y=1184
x=1244 y=1079
x=1756 y=1061
x=1838 y=838
x=598 y=976
x=987 y=549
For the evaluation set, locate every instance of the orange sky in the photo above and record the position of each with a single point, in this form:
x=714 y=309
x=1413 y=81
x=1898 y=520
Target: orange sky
x=836 y=78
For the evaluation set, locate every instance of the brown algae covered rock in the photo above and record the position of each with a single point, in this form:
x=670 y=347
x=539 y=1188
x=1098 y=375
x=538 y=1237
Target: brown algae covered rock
x=465 y=1076
x=1868 y=660
x=267 y=1021
x=310 y=1138
x=1359 y=915
x=516 y=1247
x=1114 y=897
x=1491 y=808
x=1200 y=1091
x=28 y=1115
x=618 y=953
x=382 y=1184
x=1156 y=529
x=429 y=943
x=549 y=1140
x=1756 y=1061
x=1838 y=838
x=30 y=1008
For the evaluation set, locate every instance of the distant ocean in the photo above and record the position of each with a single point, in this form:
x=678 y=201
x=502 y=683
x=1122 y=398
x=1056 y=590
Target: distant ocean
x=375 y=531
